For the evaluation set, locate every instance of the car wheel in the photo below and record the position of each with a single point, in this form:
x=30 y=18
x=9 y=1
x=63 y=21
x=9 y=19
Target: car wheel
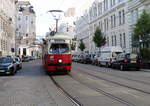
x=99 y=64
x=12 y=72
x=137 y=69
x=113 y=66
x=107 y=65
x=121 y=67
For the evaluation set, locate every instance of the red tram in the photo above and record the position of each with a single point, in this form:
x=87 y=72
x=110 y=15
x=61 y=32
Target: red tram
x=57 y=53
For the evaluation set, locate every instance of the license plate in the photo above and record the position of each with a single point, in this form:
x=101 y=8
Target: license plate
x=2 y=70
x=133 y=61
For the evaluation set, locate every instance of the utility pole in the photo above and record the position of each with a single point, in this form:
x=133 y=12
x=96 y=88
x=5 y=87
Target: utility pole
x=56 y=15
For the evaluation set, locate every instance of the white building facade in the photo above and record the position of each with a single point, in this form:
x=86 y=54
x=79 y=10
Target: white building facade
x=115 y=18
x=82 y=31
x=7 y=27
x=26 y=27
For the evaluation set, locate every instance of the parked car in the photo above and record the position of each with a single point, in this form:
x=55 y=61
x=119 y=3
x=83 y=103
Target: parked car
x=86 y=59
x=19 y=63
x=108 y=55
x=126 y=61
x=80 y=58
x=91 y=58
x=8 y=65
x=95 y=59
x=26 y=59
x=75 y=58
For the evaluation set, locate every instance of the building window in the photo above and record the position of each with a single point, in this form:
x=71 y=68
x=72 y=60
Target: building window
x=107 y=24
x=105 y=4
x=108 y=41
x=101 y=25
x=114 y=20
x=27 y=42
x=111 y=4
x=123 y=16
x=111 y=21
x=115 y=40
x=112 y=38
x=121 y=40
x=124 y=40
x=19 y=51
x=119 y=17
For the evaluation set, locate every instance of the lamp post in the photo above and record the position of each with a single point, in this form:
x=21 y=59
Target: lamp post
x=140 y=42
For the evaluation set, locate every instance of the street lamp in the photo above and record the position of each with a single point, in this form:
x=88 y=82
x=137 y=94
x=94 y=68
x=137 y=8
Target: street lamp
x=56 y=15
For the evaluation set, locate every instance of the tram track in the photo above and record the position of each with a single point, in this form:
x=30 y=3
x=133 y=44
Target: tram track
x=114 y=82
x=77 y=103
x=107 y=94
x=72 y=99
x=118 y=76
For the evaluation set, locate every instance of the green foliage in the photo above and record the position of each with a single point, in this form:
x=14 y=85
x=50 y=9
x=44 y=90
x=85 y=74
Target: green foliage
x=142 y=27
x=81 y=45
x=141 y=30
x=145 y=54
x=98 y=38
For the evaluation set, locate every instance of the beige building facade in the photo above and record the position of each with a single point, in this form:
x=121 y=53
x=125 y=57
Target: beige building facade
x=7 y=27
x=25 y=29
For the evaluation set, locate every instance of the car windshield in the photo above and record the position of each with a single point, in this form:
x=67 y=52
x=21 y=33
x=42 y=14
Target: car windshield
x=132 y=56
x=115 y=54
x=59 y=48
x=6 y=60
x=16 y=59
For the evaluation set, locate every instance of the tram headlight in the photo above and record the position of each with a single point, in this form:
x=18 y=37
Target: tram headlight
x=59 y=61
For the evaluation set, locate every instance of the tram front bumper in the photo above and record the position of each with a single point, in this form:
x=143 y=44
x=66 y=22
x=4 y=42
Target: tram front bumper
x=59 y=67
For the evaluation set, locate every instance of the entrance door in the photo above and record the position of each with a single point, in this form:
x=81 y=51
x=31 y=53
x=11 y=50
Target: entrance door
x=24 y=51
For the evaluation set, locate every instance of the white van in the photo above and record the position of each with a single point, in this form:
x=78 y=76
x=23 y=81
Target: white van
x=108 y=55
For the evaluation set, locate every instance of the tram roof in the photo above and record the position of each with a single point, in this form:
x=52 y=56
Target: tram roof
x=59 y=36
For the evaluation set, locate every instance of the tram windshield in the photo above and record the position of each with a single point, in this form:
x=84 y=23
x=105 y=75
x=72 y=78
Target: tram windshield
x=59 y=48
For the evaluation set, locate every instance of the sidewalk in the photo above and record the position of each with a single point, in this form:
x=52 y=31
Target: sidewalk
x=148 y=70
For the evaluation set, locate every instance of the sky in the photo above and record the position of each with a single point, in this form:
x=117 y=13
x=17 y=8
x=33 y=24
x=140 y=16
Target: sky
x=44 y=20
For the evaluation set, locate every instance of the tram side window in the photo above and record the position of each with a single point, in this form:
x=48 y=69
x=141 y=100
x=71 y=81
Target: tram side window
x=59 y=48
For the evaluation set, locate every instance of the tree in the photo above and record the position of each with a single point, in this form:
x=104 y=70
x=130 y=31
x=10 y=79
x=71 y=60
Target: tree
x=141 y=30
x=141 y=34
x=81 y=45
x=98 y=38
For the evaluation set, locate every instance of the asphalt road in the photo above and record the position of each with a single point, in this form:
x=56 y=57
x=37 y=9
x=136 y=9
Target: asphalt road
x=89 y=85
x=30 y=87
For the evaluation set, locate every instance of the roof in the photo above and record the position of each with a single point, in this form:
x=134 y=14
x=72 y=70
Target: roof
x=59 y=36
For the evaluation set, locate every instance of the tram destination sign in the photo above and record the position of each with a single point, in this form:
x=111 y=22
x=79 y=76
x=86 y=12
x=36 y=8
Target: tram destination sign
x=57 y=41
